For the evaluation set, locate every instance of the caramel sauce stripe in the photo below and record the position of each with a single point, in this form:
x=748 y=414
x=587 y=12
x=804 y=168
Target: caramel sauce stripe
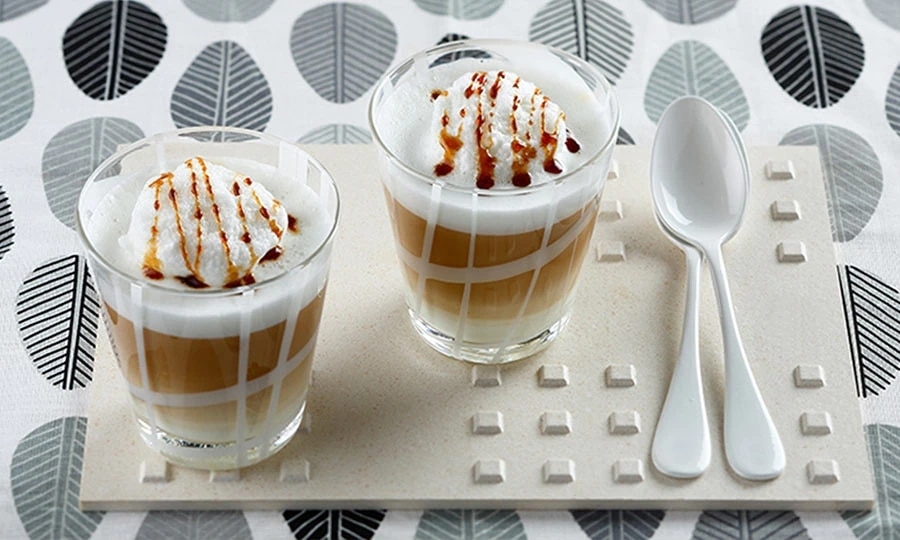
x=485 y=274
x=224 y=395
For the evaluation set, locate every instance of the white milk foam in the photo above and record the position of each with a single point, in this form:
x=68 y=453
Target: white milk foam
x=174 y=309
x=502 y=210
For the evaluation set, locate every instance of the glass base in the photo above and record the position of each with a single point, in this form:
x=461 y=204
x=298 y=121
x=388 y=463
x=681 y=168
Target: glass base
x=486 y=353
x=217 y=456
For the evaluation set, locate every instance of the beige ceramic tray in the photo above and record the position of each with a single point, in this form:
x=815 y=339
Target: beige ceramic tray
x=392 y=424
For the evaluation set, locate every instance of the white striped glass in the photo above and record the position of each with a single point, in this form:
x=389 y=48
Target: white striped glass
x=490 y=274
x=218 y=378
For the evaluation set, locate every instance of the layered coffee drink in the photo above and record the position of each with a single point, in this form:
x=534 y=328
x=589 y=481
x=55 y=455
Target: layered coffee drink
x=494 y=156
x=212 y=260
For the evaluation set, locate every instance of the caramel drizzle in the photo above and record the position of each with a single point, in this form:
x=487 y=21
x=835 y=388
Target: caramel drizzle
x=523 y=151
x=152 y=266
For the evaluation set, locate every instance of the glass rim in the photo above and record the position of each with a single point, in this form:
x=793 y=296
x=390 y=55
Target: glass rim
x=211 y=292
x=453 y=46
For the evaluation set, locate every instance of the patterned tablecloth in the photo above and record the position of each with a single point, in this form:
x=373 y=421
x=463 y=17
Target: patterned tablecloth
x=79 y=77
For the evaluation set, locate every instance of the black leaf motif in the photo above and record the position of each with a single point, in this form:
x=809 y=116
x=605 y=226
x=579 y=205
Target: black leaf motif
x=691 y=11
x=45 y=475
x=112 y=47
x=624 y=137
x=618 y=524
x=590 y=29
x=337 y=134
x=10 y=9
x=57 y=310
x=194 y=526
x=7 y=227
x=745 y=525
x=223 y=86
x=454 y=56
x=887 y=11
x=348 y=524
x=461 y=9
x=884 y=450
x=872 y=311
x=892 y=101
x=73 y=153
x=228 y=10
x=341 y=49
x=813 y=54
x=16 y=90
x=691 y=68
x=853 y=176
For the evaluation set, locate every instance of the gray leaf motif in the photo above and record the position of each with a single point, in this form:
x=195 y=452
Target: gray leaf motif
x=351 y=524
x=341 y=49
x=7 y=226
x=337 y=134
x=814 y=55
x=872 y=311
x=618 y=524
x=10 y=9
x=884 y=450
x=194 y=526
x=45 y=475
x=465 y=10
x=690 y=68
x=691 y=11
x=222 y=87
x=892 y=101
x=470 y=524
x=745 y=525
x=853 y=176
x=112 y=47
x=73 y=153
x=228 y=10
x=57 y=311
x=16 y=90
x=624 y=137
x=590 y=29
x=458 y=55
x=887 y=11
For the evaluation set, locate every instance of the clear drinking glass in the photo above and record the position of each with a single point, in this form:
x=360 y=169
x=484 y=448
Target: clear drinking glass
x=490 y=274
x=218 y=377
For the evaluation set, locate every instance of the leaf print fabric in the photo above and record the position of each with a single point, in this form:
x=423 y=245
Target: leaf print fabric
x=73 y=153
x=615 y=524
x=342 y=49
x=223 y=86
x=871 y=308
x=691 y=11
x=691 y=68
x=355 y=524
x=16 y=91
x=814 y=55
x=853 y=176
x=58 y=312
x=229 y=10
x=113 y=47
x=45 y=475
x=590 y=29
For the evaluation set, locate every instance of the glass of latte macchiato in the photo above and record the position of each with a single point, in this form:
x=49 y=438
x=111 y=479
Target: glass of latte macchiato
x=210 y=248
x=493 y=157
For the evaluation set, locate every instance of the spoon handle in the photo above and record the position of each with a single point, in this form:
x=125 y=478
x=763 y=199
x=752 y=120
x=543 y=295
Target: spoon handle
x=752 y=445
x=681 y=446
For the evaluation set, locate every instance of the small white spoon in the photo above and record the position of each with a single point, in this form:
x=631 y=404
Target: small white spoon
x=700 y=182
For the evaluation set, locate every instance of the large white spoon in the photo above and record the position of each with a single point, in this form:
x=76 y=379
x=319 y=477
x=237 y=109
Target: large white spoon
x=700 y=182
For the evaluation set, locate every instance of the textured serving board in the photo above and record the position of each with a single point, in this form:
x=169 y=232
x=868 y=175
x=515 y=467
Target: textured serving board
x=393 y=424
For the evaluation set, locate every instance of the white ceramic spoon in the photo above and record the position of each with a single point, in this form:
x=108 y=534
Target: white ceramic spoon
x=700 y=182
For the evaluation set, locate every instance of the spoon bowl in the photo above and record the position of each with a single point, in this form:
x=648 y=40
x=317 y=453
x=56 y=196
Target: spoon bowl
x=700 y=183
